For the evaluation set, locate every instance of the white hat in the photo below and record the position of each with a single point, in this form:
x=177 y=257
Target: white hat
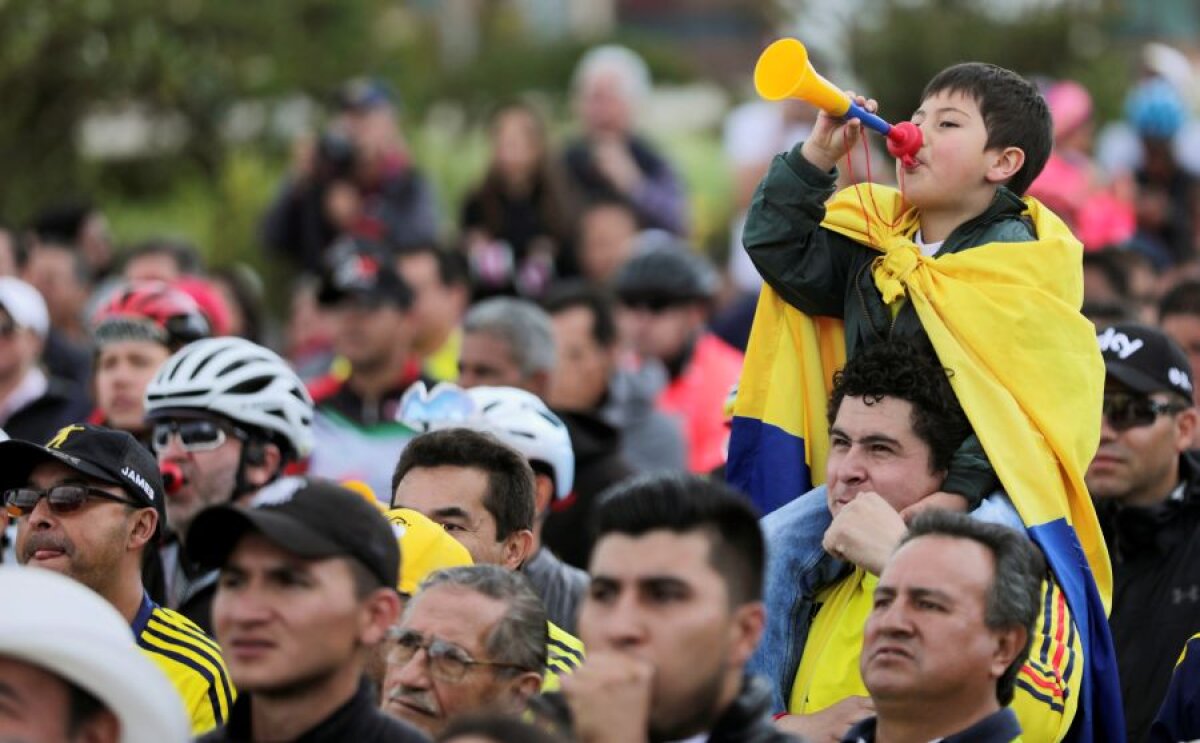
x=54 y=623
x=24 y=305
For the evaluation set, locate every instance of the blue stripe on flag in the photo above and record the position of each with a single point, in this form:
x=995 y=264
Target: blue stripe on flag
x=1099 y=716
x=767 y=464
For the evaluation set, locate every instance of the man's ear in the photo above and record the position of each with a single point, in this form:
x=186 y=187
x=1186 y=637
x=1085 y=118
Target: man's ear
x=1185 y=429
x=518 y=547
x=746 y=630
x=263 y=460
x=1004 y=163
x=145 y=520
x=1009 y=644
x=524 y=687
x=381 y=610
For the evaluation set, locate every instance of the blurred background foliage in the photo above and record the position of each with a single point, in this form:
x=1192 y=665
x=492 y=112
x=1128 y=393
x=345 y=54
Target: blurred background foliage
x=190 y=65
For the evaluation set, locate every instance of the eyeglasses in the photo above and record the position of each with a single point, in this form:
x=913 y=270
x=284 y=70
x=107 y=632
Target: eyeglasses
x=1124 y=412
x=61 y=499
x=447 y=661
x=194 y=435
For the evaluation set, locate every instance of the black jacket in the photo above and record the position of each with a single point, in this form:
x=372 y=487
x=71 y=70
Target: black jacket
x=1155 y=554
x=746 y=720
x=357 y=720
x=598 y=464
x=38 y=421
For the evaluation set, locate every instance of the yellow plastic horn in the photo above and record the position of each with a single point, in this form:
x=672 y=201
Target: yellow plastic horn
x=783 y=71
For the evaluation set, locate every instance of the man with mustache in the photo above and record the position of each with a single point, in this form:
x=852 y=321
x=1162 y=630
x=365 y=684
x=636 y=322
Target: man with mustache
x=88 y=505
x=483 y=634
x=307 y=590
x=951 y=625
x=1146 y=486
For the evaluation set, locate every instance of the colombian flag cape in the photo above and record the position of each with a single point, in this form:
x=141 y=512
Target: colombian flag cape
x=1027 y=370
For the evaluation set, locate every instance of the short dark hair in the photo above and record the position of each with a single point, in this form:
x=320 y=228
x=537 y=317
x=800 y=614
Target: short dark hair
x=452 y=268
x=907 y=369
x=1014 y=113
x=1014 y=598
x=684 y=503
x=510 y=493
x=572 y=294
x=1183 y=299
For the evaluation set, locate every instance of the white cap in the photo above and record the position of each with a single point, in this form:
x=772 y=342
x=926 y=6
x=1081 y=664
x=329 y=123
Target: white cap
x=24 y=305
x=56 y=624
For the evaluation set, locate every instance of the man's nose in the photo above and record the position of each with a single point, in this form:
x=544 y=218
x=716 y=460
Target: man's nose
x=412 y=673
x=850 y=467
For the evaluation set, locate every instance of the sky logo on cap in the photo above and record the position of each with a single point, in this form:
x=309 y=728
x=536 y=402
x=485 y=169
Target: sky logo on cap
x=1119 y=343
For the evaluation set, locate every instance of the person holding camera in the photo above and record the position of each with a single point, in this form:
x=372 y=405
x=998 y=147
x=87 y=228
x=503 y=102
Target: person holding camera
x=356 y=178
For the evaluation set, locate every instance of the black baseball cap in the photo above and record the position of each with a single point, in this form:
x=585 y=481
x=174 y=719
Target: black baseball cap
x=105 y=454
x=309 y=517
x=360 y=269
x=1145 y=360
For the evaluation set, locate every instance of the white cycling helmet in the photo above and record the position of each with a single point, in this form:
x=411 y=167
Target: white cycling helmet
x=516 y=417
x=240 y=380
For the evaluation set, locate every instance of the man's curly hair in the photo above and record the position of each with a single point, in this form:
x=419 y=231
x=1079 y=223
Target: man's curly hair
x=907 y=369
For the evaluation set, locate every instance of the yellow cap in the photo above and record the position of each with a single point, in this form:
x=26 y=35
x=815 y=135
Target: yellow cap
x=424 y=547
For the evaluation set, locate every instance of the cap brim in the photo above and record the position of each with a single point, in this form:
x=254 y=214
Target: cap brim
x=1133 y=379
x=216 y=531
x=20 y=458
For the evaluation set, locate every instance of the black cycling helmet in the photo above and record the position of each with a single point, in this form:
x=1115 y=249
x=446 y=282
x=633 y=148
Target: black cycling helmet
x=666 y=273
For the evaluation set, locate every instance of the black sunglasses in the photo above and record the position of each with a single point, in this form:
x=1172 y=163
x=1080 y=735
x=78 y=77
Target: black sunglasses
x=1124 y=412
x=61 y=499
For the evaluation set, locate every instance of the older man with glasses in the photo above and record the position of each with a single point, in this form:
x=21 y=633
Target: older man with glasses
x=1147 y=491
x=473 y=639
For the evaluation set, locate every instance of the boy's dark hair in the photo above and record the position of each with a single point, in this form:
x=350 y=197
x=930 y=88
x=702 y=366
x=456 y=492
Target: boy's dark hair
x=571 y=294
x=1015 y=595
x=683 y=503
x=1184 y=299
x=510 y=495
x=907 y=369
x=1014 y=113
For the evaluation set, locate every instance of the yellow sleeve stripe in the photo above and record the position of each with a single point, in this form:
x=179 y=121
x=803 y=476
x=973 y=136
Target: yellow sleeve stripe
x=184 y=626
x=190 y=658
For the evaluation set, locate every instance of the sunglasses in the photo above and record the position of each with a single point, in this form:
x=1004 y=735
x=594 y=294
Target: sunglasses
x=447 y=661
x=194 y=435
x=1124 y=412
x=61 y=499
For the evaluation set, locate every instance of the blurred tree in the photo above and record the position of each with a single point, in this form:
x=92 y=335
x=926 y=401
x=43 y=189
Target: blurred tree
x=900 y=45
x=190 y=58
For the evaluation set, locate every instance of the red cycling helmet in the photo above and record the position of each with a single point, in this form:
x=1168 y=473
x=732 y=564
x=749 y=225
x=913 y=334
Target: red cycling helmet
x=151 y=310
